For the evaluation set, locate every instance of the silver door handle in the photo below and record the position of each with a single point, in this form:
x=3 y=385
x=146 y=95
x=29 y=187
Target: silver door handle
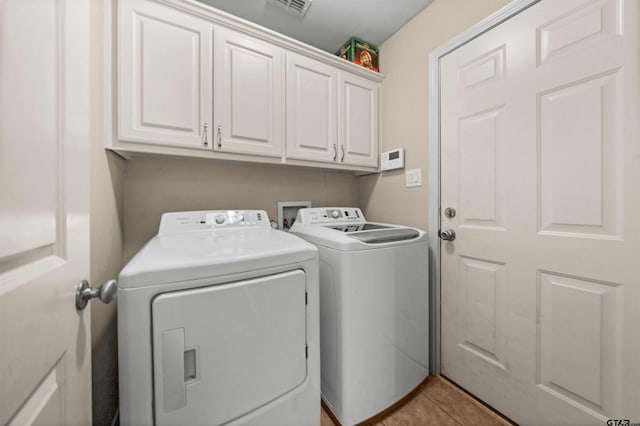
x=448 y=235
x=219 y=137
x=106 y=292
x=342 y=153
x=204 y=135
x=335 y=152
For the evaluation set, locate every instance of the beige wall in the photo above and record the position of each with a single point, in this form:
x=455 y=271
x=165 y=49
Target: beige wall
x=106 y=212
x=106 y=262
x=157 y=185
x=404 y=106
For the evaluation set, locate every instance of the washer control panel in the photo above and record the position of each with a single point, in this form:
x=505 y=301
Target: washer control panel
x=324 y=215
x=212 y=219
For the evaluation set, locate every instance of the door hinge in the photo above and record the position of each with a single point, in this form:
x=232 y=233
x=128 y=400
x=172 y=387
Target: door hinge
x=306 y=298
x=306 y=351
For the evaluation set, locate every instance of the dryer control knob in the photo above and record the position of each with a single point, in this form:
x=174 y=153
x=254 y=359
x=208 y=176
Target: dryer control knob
x=220 y=219
x=335 y=214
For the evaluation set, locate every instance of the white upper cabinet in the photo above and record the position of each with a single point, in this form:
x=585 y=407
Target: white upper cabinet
x=193 y=82
x=332 y=116
x=357 y=120
x=249 y=86
x=164 y=76
x=312 y=113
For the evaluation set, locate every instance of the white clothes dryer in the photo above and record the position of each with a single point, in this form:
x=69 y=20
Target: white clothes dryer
x=374 y=298
x=218 y=324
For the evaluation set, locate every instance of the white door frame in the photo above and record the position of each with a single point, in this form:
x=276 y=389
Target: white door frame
x=480 y=28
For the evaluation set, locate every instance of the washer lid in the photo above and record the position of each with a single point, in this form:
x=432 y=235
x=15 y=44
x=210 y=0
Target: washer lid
x=348 y=237
x=212 y=253
x=385 y=235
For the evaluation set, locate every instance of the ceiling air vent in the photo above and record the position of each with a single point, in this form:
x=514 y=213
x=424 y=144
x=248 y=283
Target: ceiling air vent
x=299 y=7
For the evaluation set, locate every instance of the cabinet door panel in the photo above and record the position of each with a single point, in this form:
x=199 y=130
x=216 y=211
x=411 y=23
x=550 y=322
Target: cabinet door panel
x=358 y=121
x=249 y=95
x=165 y=75
x=311 y=110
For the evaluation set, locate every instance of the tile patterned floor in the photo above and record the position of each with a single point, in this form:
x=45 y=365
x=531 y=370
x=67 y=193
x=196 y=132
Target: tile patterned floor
x=438 y=403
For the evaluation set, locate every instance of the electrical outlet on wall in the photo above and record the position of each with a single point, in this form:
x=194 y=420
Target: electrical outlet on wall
x=413 y=177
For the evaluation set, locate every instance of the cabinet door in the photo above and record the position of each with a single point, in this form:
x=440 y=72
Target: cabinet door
x=164 y=76
x=358 y=121
x=312 y=113
x=249 y=95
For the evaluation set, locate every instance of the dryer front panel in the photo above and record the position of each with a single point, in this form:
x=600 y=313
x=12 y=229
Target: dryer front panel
x=220 y=352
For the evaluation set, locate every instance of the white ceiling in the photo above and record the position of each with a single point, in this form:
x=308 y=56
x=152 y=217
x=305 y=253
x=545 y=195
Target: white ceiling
x=328 y=23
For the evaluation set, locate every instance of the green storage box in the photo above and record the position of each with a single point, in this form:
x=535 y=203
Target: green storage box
x=360 y=52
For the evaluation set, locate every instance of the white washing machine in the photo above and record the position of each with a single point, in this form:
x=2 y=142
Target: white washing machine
x=373 y=309
x=218 y=324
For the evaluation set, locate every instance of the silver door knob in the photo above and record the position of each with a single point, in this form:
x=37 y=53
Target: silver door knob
x=448 y=235
x=106 y=292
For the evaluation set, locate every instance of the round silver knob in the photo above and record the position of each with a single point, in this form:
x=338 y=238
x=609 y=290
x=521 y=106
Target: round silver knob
x=220 y=219
x=448 y=235
x=335 y=214
x=106 y=293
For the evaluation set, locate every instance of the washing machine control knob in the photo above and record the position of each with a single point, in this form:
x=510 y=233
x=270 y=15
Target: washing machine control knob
x=335 y=214
x=220 y=219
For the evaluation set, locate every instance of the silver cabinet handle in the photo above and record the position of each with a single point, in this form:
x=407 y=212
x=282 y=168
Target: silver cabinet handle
x=335 y=152
x=342 y=153
x=204 y=135
x=219 y=137
x=106 y=292
x=448 y=235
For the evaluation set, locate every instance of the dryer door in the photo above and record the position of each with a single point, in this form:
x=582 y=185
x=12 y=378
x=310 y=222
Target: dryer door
x=222 y=351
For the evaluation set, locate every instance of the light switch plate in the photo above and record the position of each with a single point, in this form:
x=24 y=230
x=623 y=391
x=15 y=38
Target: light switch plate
x=413 y=177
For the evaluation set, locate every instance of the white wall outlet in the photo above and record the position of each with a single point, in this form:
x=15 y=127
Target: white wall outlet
x=413 y=177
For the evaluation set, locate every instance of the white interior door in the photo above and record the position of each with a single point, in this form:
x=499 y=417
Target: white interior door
x=45 y=353
x=540 y=158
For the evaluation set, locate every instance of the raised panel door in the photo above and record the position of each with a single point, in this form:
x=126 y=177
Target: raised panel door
x=164 y=76
x=357 y=120
x=45 y=343
x=311 y=110
x=539 y=131
x=249 y=95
